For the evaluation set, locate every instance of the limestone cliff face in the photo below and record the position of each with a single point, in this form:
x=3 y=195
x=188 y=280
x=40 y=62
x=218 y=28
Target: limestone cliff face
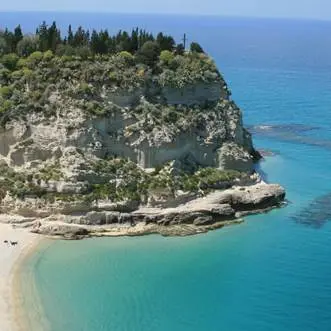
x=89 y=146
x=208 y=132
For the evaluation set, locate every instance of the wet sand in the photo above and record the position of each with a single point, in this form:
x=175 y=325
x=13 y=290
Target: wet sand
x=10 y=259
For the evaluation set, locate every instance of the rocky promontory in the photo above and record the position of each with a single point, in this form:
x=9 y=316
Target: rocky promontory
x=124 y=143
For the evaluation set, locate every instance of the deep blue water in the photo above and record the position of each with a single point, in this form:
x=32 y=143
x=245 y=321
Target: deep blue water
x=271 y=273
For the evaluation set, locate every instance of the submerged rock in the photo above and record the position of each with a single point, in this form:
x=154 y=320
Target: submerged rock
x=316 y=214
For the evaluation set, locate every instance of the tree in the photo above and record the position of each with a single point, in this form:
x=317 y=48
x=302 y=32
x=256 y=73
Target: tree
x=18 y=36
x=196 y=48
x=9 y=38
x=149 y=53
x=70 y=36
x=166 y=43
x=27 y=45
x=100 y=42
x=123 y=42
x=143 y=38
x=180 y=50
x=134 y=40
x=53 y=37
x=42 y=33
x=81 y=38
x=3 y=46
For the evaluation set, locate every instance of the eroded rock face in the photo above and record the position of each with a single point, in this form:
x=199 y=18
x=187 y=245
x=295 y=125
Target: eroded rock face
x=213 y=135
x=217 y=209
x=123 y=150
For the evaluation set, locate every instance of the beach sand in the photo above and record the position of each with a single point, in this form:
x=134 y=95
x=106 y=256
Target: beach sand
x=10 y=258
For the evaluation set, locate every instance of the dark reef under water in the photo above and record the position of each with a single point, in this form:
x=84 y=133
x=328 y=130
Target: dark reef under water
x=316 y=214
x=293 y=133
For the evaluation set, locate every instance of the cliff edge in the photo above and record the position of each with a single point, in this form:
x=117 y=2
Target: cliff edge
x=95 y=144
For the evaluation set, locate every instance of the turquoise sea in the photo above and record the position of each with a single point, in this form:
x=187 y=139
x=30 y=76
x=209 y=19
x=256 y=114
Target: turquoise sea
x=271 y=273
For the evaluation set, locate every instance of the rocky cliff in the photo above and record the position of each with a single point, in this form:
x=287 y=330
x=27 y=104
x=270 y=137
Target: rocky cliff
x=110 y=129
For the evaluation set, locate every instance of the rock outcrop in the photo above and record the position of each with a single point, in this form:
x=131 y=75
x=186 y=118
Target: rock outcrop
x=215 y=210
x=107 y=146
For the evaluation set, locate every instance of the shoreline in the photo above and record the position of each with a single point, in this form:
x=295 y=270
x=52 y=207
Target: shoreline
x=21 y=236
x=12 y=259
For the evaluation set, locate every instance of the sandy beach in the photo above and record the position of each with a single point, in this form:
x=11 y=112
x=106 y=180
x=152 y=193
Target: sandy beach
x=10 y=258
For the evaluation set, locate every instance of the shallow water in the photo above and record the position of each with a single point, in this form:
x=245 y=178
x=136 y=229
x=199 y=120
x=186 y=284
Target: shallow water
x=272 y=272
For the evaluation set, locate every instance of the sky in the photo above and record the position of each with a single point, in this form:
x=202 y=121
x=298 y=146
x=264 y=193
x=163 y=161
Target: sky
x=310 y=9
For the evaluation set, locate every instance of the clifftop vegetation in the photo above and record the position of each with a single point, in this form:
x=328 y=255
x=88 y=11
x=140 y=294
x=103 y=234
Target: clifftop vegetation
x=84 y=43
x=81 y=64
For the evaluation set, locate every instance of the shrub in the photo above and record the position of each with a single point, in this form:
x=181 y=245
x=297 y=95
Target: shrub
x=149 y=53
x=166 y=57
x=84 y=89
x=21 y=63
x=10 y=61
x=27 y=73
x=17 y=74
x=48 y=55
x=6 y=105
x=35 y=58
x=66 y=58
x=83 y=52
x=62 y=50
x=6 y=92
x=27 y=46
x=127 y=56
x=4 y=75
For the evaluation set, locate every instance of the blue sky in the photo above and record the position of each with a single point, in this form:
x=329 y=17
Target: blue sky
x=314 y=9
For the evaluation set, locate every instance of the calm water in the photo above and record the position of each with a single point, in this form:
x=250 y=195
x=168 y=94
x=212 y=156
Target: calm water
x=271 y=273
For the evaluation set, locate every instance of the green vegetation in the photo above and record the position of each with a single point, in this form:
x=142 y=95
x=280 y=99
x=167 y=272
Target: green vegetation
x=27 y=83
x=17 y=184
x=49 y=172
x=81 y=41
x=50 y=75
x=114 y=179
x=196 y=48
x=124 y=180
x=81 y=65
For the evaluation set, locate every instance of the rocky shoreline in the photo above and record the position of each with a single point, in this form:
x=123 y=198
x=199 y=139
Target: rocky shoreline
x=215 y=210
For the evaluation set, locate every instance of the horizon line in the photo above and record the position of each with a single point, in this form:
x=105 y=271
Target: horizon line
x=61 y=11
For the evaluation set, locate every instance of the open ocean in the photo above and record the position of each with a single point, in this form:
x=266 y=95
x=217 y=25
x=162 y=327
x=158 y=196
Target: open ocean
x=271 y=273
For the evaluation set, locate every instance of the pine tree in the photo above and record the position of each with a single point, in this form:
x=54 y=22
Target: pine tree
x=180 y=49
x=9 y=39
x=42 y=33
x=196 y=48
x=70 y=36
x=81 y=38
x=18 y=36
x=134 y=40
x=166 y=43
x=94 y=43
x=53 y=37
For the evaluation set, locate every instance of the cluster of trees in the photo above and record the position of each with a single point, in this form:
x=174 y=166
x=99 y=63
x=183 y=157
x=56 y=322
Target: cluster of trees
x=84 y=43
